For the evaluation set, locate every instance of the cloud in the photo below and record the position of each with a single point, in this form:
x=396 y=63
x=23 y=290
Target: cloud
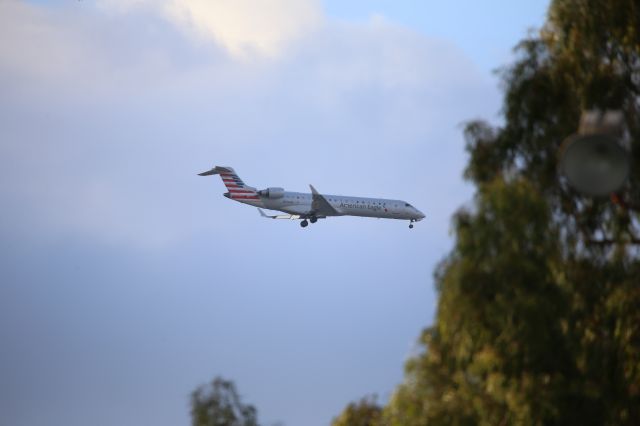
x=246 y=28
x=107 y=118
x=118 y=251
x=25 y=29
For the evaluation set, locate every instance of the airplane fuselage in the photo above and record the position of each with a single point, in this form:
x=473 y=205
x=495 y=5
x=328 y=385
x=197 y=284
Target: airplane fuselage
x=298 y=203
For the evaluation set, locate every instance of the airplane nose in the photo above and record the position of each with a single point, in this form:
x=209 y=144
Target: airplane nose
x=420 y=215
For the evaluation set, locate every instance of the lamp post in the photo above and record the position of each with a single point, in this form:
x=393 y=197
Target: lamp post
x=596 y=161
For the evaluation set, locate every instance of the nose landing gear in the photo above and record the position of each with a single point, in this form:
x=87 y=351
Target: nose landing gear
x=411 y=224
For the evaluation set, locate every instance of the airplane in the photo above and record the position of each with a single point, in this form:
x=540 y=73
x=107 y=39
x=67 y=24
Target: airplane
x=313 y=206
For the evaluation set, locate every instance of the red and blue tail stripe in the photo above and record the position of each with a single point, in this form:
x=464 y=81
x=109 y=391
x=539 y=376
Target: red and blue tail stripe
x=238 y=190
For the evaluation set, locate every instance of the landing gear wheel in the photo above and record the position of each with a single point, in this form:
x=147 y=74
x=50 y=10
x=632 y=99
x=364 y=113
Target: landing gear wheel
x=411 y=226
x=304 y=223
x=313 y=219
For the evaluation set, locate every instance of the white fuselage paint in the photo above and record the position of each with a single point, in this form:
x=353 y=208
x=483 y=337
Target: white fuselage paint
x=298 y=203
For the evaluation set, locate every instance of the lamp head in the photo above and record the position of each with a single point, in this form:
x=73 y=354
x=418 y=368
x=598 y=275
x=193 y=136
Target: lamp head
x=595 y=165
x=594 y=160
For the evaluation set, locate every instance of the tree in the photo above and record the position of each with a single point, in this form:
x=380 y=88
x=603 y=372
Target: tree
x=219 y=404
x=366 y=412
x=538 y=318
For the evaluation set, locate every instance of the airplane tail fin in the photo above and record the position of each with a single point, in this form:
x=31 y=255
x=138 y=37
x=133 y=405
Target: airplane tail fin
x=238 y=190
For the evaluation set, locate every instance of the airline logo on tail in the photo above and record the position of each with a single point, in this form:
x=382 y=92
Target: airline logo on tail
x=238 y=190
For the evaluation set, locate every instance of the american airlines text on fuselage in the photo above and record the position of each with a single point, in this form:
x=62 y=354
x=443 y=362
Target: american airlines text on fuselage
x=363 y=206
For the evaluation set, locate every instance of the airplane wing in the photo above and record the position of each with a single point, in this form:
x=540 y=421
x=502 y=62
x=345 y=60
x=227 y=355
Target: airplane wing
x=320 y=205
x=280 y=216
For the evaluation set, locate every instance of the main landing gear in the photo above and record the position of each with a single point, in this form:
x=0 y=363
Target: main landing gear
x=305 y=222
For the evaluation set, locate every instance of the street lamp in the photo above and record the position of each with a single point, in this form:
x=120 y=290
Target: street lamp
x=596 y=160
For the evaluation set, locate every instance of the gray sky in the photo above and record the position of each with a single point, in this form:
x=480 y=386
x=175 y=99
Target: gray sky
x=126 y=280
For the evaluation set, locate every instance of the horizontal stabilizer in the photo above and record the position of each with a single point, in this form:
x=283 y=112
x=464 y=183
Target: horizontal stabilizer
x=216 y=171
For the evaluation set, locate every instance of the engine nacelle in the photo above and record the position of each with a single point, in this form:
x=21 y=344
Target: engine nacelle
x=272 y=193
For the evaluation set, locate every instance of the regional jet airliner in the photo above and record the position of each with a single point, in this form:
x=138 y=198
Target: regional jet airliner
x=313 y=206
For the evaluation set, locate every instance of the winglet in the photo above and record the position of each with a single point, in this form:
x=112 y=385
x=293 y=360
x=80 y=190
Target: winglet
x=262 y=213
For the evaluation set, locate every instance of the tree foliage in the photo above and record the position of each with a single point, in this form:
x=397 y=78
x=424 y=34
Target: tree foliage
x=365 y=412
x=538 y=319
x=218 y=404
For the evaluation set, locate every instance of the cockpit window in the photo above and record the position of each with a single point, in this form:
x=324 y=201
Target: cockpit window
x=408 y=205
